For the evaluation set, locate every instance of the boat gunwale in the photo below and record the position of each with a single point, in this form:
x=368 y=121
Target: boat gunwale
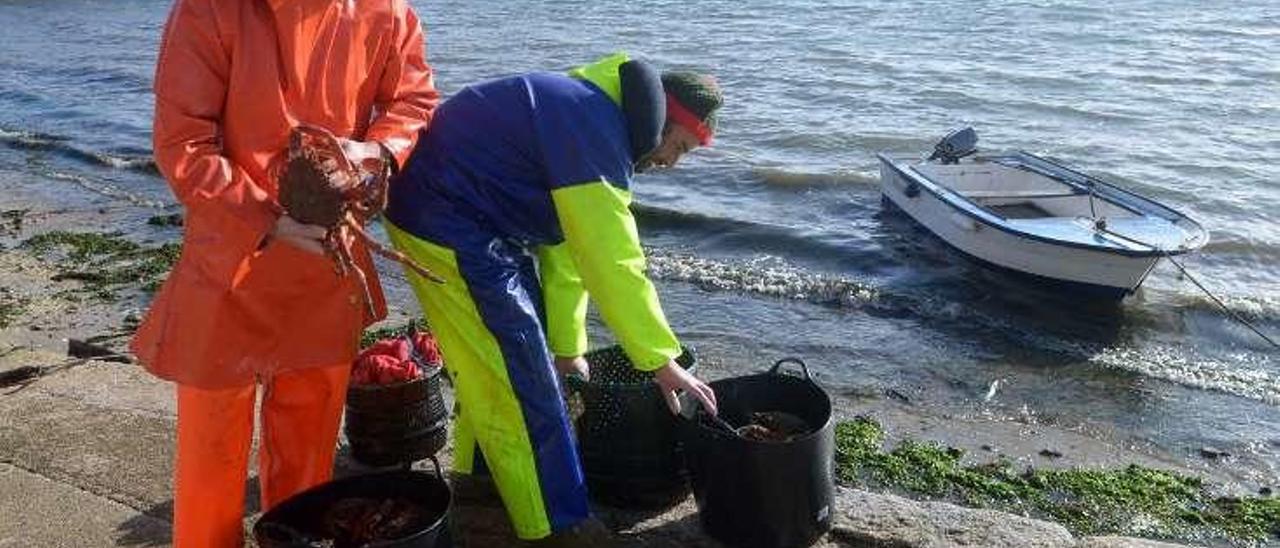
x=1198 y=236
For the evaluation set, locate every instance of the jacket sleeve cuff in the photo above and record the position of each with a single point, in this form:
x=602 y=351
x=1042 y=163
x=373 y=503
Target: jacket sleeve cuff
x=569 y=348
x=398 y=147
x=652 y=360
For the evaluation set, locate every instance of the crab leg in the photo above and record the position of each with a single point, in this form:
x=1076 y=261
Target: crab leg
x=333 y=248
x=345 y=264
x=364 y=284
x=393 y=254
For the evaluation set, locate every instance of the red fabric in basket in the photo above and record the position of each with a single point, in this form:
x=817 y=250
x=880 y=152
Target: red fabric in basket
x=389 y=361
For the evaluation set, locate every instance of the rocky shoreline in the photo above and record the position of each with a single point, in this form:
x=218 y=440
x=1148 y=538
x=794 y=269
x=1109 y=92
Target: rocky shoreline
x=89 y=452
x=90 y=444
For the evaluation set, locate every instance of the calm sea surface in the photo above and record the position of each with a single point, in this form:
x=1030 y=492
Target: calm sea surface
x=775 y=243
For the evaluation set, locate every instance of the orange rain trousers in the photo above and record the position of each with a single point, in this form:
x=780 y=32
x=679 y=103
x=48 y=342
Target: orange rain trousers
x=300 y=415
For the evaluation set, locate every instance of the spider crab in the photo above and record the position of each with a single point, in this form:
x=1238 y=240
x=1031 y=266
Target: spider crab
x=320 y=186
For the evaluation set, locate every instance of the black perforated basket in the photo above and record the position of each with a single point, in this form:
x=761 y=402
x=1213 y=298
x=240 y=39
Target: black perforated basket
x=626 y=433
x=398 y=423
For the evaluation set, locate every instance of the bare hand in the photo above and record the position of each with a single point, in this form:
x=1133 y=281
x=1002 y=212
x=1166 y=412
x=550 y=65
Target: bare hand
x=672 y=378
x=308 y=238
x=371 y=161
x=576 y=365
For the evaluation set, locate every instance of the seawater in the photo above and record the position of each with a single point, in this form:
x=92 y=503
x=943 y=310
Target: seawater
x=774 y=242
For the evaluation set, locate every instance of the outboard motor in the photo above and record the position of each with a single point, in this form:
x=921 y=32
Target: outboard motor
x=956 y=145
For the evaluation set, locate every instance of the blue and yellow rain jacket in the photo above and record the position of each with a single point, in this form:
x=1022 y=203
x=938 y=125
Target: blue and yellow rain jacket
x=543 y=162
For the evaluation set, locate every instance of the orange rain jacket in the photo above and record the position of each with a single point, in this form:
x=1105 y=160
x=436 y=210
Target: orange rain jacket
x=233 y=77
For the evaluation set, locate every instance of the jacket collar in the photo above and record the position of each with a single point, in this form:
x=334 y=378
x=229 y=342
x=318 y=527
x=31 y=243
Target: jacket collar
x=604 y=74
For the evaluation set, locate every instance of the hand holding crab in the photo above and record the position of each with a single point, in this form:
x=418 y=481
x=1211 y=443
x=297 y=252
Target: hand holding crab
x=338 y=185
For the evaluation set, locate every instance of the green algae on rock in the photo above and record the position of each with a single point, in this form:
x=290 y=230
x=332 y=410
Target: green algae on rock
x=11 y=306
x=1134 y=500
x=104 y=263
x=170 y=220
x=11 y=221
x=371 y=336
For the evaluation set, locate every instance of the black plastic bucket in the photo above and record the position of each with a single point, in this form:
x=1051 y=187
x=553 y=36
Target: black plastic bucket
x=397 y=423
x=307 y=519
x=762 y=494
x=627 y=435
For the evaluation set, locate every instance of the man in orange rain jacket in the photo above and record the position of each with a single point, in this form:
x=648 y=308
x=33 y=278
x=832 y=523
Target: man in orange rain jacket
x=252 y=301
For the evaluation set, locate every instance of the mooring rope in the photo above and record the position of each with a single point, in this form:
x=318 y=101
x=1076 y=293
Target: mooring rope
x=1233 y=314
x=1102 y=227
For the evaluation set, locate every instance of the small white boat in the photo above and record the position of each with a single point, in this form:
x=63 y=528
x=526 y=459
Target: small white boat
x=1032 y=216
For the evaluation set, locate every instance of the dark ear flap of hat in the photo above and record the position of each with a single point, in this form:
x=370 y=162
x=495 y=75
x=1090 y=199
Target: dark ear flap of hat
x=644 y=104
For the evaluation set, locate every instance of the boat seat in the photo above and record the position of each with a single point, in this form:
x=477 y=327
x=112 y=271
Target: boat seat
x=1019 y=210
x=1018 y=193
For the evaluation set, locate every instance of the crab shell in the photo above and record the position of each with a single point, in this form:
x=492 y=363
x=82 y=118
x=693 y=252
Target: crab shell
x=363 y=189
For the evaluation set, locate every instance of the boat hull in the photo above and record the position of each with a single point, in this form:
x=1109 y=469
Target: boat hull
x=1092 y=272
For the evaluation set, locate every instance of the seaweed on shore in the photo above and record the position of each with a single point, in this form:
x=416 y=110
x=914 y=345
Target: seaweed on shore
x=1134 y=500
x=11 y=221
x=11 y=306
x=170 y=220
x=371 y=336
x=104 y=263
